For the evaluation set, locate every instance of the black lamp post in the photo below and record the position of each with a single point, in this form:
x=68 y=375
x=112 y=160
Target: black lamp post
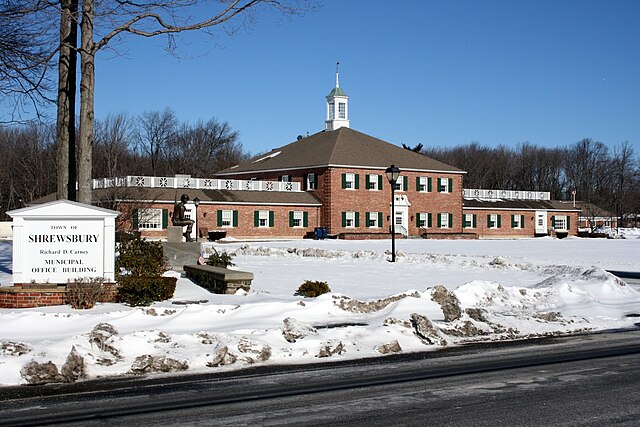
x=392 y=175
x=196 y=202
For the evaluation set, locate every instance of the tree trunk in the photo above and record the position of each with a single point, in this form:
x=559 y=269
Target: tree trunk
x=66 y=124
x=87 y=85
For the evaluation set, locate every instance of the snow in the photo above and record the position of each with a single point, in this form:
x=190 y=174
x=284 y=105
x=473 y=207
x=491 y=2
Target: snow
x=524 y=288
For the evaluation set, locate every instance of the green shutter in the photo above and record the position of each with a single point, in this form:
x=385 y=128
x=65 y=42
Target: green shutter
x=499 y=221
x=344 y=180
x=513 y=221
x=439 y=221
x=235 y=218
x=553 y=221
x=256 y=218
x=450 y=220
x=357 y=215
x=305 y=219
x=405 y=183
x=417 y=183
x=568 y=223
x=464 y=221
x=521 y=221
x=439 y=184
x=344 y=219
x=291 y=218
x=379 y=219
x=429 y=186
x=450 y=185
x=134 y=219
x=429 y=222
x=474 y=221
x=165 y=218
x=366 y=219
x=219 y=218
x=418 y=216
x=379 y=182
x=271 y=215
x=488 y=221
x=357 y=181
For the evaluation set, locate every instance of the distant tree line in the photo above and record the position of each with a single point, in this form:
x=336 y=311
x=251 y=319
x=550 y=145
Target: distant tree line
x=607 y=178
x=155 y=143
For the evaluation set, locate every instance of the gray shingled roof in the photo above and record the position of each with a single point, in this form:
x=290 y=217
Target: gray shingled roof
x=163 y=195
x=341 y=147
x=504 y=204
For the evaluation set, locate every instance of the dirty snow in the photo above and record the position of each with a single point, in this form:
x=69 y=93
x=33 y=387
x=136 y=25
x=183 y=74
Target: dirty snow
x=507 y=289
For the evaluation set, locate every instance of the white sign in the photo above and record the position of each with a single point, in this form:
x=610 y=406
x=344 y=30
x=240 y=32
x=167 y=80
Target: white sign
x=61 y=241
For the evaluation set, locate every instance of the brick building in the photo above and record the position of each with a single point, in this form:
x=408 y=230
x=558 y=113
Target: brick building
x=336 y=179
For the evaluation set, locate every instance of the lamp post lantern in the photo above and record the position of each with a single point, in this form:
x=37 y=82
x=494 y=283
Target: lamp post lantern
x=196 y=202
x=393 y=173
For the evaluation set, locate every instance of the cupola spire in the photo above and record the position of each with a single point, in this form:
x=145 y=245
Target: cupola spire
x=337 y=106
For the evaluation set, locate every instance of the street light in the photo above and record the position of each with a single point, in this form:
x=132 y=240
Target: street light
x=196 y=202
x=392 y=175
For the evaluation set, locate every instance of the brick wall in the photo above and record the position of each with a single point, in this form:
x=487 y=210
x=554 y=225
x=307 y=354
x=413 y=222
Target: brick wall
x=29 y=295
x=506 y=230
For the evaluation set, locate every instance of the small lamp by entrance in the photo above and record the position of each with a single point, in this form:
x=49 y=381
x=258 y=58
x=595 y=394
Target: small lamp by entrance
x=393 y=173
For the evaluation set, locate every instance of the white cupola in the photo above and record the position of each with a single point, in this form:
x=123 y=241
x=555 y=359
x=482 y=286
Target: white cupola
x=337 y=107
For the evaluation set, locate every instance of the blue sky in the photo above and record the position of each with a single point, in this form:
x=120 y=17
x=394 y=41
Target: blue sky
x=441 y=73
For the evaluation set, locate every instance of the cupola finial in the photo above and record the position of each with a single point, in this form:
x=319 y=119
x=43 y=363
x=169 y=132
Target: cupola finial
x=337 y=74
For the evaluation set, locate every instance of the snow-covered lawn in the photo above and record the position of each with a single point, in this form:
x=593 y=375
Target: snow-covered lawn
x=506 y=289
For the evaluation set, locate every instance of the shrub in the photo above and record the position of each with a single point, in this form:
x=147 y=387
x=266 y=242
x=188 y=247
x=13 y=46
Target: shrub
x=84 y=293
x=218 y=259
x=312 y=288
x=140 y=257
x=137 y=291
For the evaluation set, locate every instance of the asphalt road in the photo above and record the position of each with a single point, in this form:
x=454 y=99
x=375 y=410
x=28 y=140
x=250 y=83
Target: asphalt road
x=582 y=380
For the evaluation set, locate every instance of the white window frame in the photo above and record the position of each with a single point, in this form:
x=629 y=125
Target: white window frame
x=373 y=219
x=468 y=221
x=227 y=218
x=263 y=219
x=342 y=110
x=350 y=181
x=493 y=221
x=312 y=181
x=372 y=182
x=423 y=184
x=444 y=220
x=350 y=219
x=443 y=185
x=150 y=219
x=298 y=219
x=423 y=217
x=562 y=220
x=517 y=223
x=332 y=111
x=399 y=183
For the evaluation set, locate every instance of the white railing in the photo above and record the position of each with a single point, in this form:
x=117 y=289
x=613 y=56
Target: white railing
x=195 y=183
x=468 y=193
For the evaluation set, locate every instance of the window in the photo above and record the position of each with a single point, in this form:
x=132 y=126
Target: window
x=227 y=218
x=374 y=219
x=374 y=182
x=342 y=110
x=469 y=221
x=285 y=178
x=312 y=181
x=332 y=111
x=402 y=183
x=350 y=181
x=298 y=219
x=445 y=220
x=560 y=223
x=445 y=185
x=423 y=184
x=517 y=221
x=263 y=218
x=423 y=220
x=494 y=221
x=150 y=219
x=350 y=219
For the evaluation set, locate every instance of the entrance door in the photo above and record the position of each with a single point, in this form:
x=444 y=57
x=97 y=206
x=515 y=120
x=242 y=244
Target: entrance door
x=541 y=222
x=401 y=215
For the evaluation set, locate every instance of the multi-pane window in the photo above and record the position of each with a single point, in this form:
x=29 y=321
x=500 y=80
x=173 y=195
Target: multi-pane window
x=422 y=184
x=332 y=111
x=443 y=185
x=560 y=223
x=297 y=218
x=227 y=218
x=349 y=180
x=401 y=183
x=493 y=221
x=150 y=219
x=263 y=218
x=342 y=110
x=469 y=221
x=444 y=220
x=311 y=181
x=374 y=219
x=517 y=221
x=373 y=182
x=285 y=178
x=422 y=219
x=350 y=219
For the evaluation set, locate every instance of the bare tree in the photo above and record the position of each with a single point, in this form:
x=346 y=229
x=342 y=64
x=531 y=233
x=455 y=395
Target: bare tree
x=113 y=137
x=156 y=131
